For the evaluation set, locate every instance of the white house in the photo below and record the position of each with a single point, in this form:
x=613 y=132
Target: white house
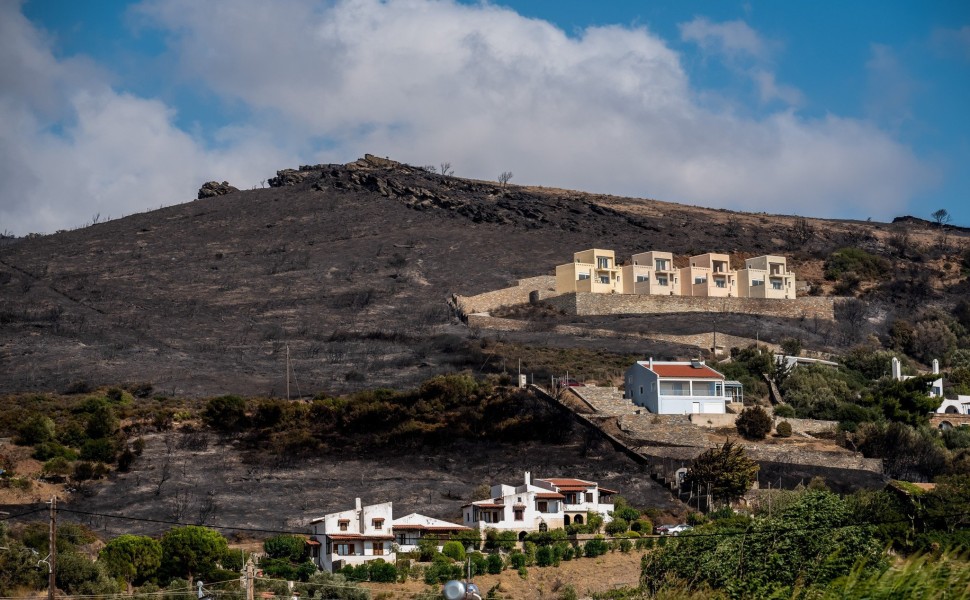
x=538 y=505
x=936 y=387
x=960 y=406
x=676 y=388
x=353 y=537
x=409 y=529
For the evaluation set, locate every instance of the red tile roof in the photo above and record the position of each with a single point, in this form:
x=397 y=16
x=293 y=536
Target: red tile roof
x=573 y=482
x=416 y=527
x=603 y=490
x=357 y=536
x=549 y=496
x=685 y=371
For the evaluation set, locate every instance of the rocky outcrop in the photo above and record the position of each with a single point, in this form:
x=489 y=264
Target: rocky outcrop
x=287 y=177
x=210 y=189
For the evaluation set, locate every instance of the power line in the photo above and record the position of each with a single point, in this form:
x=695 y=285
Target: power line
x=23 y=514
x=179 y=523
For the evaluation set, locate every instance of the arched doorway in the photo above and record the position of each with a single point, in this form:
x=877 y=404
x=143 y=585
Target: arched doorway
x=522 y=535
x=565 y=520
x=951 y=410
x=543 y=527
x=578 y=519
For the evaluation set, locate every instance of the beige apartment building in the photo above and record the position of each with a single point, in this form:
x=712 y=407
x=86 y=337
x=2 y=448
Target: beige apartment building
x=709 y=275
x=592 y=270
x=651 y=273
x=766 y=277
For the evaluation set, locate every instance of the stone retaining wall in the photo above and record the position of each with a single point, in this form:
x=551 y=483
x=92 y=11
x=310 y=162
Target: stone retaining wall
x=585 y=303
x=833 y=460
x=545 y=285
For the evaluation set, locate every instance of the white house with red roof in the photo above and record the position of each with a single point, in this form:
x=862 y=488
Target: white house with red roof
x=409 y=529
x=676 y=388
x=353 y=537
x=538 y=505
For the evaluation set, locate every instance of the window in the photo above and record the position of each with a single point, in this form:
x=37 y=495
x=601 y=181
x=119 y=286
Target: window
x=757 y=282
x=583 y=276
x=776 y=285
x=519 y=514
x=542 y=506
x=602 y=262
x=662 y=281
x=700 y=280
x=378 y=548
x=604 y=279
x=720 y=283
x=641 y=389
x=342 y=524
x=662 y=265
x=343 y=549
x=675 y=388
x=589 y=497
x=642 y=278
x=705 y=388
x=378 y=523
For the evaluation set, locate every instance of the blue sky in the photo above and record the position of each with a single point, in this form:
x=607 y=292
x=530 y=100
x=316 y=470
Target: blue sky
x=829 y=109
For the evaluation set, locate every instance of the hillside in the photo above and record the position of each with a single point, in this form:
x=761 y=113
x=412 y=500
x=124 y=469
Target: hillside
x=347 y=270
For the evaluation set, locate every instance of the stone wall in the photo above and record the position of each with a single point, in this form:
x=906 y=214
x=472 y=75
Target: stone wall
x=545 y=285
x=832 y=460
x=584 y=303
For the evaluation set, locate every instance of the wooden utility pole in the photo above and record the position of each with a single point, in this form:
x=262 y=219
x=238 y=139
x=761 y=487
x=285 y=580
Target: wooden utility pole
x=52 y=565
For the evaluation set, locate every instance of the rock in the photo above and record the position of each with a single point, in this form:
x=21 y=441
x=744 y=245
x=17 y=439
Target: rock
x=210 y=189
x=286 y=177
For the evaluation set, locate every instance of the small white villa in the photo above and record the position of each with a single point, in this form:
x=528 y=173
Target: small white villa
x=353 y=537
x=538 y=505
x=366 y=533
x=677 y=388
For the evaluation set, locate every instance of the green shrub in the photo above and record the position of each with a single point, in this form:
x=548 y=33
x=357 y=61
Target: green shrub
x=544 y=556
x=454 y=550
x=36 y=429
x=617 y=526
x=642 y=526
x=225 y=412
x=58 y=465
x=517 y=560
x=625 y=546
x=785 y=411
x=48 y=450
x=784 y=429
x=753 y=423
x=382 y=571
x=100 y=450
x=286 y=546
x=495 y=564
x=595 y=547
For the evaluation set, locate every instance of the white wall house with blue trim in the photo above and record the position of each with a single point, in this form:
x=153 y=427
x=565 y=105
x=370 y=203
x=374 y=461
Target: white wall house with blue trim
x=678 y=388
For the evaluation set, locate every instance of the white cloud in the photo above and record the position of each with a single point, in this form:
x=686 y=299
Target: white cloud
x=731 y=38
x=609 y=110
x=952 y=42
x=890 y=87
x=769 y=89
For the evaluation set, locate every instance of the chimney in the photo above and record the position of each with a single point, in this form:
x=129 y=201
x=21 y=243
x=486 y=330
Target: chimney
x=357 y=504
x=528 y=478
x=936 y=367
x=651 y=362
x=897 y=371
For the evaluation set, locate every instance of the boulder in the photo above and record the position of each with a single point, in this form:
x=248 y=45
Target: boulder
x=214 y=188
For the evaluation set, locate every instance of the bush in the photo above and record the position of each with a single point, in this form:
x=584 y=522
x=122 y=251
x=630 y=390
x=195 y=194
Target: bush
x=753 y=423
x=595 y=547
x=785 y=411
x=225 y=412
x=495 y=564
x=517 y=560
x=617 y=526
x=100 y=450
x=285 y=546
x=454 y=551
x=382 y=571
x=784 y=429
x=544 y=556
x=36 y=430
x=625 y=546
x=48 y=450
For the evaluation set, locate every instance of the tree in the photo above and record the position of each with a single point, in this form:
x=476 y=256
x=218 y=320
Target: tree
x=754 y=423
x=35 y=430
x=131 y=558
x=505 y=177
x=225 y=412
x=791 y=346
x=942 y=217
x=190 y=551
x=102 y=422
x=446 y=169
x=725 y=470
x=290 y=547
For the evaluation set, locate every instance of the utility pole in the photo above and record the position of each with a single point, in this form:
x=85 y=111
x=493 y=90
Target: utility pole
x=250 y=578
x=52 y=565
x=287 y=371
